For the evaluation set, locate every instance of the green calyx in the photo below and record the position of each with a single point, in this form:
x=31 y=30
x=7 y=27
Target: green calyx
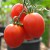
x=16 y=21
x=30 y=9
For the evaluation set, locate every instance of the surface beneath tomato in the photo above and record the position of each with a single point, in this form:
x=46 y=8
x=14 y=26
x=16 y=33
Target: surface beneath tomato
x=14 y=35
x=34 y=25
x=17 y=9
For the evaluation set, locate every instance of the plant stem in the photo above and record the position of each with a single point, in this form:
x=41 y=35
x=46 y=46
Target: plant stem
x=22 y=11
x=18 y=21
x=24 y=3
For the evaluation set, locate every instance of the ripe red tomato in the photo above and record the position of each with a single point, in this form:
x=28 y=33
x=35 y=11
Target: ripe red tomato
x=27 y=37
x=17 y=9
x=14 y=35
x=34 y=25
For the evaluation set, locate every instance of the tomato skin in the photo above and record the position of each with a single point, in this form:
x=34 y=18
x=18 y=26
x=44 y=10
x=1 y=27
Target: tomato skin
x=34 y=25
x=27 y=37
x=17 y=9
x=14 y=35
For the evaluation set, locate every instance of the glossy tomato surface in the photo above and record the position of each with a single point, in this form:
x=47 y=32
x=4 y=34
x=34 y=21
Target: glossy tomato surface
x=14 y=35
x=17 y=9
x=34 y=25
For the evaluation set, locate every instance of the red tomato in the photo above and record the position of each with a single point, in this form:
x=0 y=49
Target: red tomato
x=17 y=9
x=14 y=35
x=27 y=37
x=34 y=25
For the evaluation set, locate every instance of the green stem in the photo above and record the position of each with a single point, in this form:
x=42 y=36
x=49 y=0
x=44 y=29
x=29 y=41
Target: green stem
x=24 y=3
x=28 y=2
x=22 y=11
x=18 y=22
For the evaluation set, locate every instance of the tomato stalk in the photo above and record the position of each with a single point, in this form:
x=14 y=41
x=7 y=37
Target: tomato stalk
x=22 y=11
x=17 y=19
x=17 y=22
x=14 y=21
x=29 y=6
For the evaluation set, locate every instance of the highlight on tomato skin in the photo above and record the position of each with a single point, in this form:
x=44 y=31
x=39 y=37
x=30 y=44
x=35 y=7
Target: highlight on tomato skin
x=13 y=35
x=17 y=9
x=34 y=25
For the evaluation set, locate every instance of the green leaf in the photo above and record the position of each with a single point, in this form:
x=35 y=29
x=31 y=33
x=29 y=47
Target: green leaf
x=48 y=21
x=46 y=3
x=33 y=2
x=11 y=2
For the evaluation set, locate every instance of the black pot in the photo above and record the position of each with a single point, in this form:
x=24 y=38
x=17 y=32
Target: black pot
x=0 y=41
x=2 y=29
x=28 y=45
x=1 y=34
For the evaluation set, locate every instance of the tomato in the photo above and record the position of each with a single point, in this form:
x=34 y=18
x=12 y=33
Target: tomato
x=14 y=35
x=17 y=9
x=34 y=25
x=27 y=37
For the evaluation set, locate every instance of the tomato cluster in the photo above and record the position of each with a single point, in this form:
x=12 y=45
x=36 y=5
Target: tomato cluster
x=33 y=26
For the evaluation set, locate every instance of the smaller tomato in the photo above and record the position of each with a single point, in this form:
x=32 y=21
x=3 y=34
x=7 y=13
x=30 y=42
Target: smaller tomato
x=14 y=35
x=17 y=9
